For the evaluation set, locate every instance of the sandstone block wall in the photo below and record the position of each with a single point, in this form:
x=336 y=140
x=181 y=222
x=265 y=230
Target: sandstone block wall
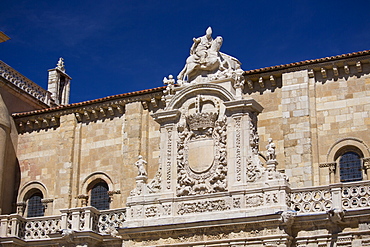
x=342 y=108
x=67 y=158
x=308 y=115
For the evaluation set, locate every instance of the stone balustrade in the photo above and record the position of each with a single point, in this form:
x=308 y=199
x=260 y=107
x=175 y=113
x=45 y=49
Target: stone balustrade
x=24 y=83
x=12 y=226
x=323 y=198
x=310 y=200
x=80 y=219
x=112 y=218
x=41 y=227
x=77 y=219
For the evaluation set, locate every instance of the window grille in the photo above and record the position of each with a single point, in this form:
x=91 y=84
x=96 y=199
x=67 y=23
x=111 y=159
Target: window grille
x=350 y=167
x=34 y=206
x=99 y=196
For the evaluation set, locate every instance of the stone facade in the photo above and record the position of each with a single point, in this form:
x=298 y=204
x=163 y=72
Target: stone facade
x=218 y=157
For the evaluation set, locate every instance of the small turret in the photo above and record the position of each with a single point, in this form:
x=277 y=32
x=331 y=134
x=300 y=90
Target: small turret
x=59 y=84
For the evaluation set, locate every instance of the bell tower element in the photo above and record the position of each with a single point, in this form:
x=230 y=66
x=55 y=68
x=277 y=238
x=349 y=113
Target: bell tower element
x=59 y=84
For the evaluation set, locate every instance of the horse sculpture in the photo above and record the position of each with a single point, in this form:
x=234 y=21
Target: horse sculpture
x=213 y=62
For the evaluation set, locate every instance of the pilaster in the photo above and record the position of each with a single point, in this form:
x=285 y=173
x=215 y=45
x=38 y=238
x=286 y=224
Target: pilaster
x=296 y=128
x=242 y=138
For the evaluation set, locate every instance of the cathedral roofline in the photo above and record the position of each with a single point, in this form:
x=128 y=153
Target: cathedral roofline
x=89 y=102
x=252 y=73
x=308 y=62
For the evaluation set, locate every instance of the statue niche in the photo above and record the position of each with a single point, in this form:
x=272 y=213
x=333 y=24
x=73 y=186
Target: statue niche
x=201 y=148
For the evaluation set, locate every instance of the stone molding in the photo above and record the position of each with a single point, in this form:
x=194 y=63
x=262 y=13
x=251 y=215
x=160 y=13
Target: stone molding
x=201 y=88
x=348 y=141
x=86 y=113
x=255 y=77
x=280 y=226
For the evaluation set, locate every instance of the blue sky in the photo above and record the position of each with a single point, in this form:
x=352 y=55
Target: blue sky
x=117 y=46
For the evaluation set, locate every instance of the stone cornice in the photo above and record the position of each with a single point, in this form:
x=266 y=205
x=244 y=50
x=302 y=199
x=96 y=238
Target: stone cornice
x=242 y=222
x=347 y=64
x=349 y=57
x=243 y=106
x=87 y=111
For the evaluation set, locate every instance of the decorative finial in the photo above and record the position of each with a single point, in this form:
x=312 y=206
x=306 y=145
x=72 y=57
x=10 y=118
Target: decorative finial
x=60 y=65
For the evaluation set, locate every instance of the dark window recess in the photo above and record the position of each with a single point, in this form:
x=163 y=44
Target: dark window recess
x=61 y=88
x=99 y=196
x=35 y=207
x=350 y=167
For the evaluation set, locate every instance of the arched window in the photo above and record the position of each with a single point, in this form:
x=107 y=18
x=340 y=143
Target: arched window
x=99 y=197
x=350 y=166
x=35 y=208
x=347 y=160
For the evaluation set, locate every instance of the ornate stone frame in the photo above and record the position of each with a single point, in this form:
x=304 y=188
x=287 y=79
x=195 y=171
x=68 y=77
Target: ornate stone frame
x=213 y=179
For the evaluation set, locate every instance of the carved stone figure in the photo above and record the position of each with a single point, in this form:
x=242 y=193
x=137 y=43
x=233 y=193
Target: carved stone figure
x=68 y=235
x=113 y=232
x=141 y=166
x=205 y=58
x=201 y=45
x=271 y=150
x=336 y=215
x=155 y=185
x=287 y=217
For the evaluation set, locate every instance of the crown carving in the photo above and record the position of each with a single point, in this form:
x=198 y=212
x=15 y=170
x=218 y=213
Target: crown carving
x=201 y=120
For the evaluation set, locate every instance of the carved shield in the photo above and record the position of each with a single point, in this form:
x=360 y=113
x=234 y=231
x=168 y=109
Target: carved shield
x=201 y=154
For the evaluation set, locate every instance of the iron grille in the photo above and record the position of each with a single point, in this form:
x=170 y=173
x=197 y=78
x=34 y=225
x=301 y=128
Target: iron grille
x=99 y=196
x=35 y=207
x=350 y=167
